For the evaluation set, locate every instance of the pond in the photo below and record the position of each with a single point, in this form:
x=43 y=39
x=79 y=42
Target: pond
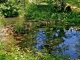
x=71 y=44
x=71 y=37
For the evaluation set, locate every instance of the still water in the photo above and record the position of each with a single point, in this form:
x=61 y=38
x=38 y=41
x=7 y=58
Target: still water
x=71 y=43
x=70 y=46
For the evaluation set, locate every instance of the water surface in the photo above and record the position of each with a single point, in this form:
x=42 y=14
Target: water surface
x=71 y=43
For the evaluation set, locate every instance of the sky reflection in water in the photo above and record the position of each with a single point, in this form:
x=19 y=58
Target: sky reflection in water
x=71 y=39
x=40 y=38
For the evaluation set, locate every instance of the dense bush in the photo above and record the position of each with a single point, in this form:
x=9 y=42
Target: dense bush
x=29 y=10
x=9 y=9
x=69 y=18
x=45 y=12
x=3 y=1
x=38 y=12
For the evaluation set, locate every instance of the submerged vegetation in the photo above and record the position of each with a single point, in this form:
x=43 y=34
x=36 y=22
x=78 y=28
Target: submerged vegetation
x=23 y=19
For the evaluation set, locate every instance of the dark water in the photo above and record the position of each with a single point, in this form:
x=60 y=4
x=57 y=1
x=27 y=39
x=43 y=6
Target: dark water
x=70 y=46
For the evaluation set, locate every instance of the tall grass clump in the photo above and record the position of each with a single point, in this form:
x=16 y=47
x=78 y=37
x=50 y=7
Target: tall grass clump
x=2 y=21
x=19 y=24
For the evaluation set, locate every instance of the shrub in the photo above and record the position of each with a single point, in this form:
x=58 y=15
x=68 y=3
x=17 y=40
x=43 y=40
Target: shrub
x=3 y=1
x=19 y=28
x=41 y=15
x=29 y=10
x=9 y=9
x=38 y=12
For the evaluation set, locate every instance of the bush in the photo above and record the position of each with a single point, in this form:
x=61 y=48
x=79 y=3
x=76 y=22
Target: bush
x=41 y=15
x=3 y=1
x=9 y=9
x=38 y=12
x=29 y=10
x=19 y=28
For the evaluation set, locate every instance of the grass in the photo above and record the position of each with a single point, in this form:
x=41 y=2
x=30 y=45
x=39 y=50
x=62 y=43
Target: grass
x=15 y=53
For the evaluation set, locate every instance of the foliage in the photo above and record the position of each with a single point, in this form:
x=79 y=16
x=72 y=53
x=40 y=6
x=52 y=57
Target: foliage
x=47 y=12
x=29 y=10
x=2 y=22
x=37 y=12
x=3 y=1
x=41 y=15
x=14 y=53
x=9 y=9
x=66 y=18
x=19 y=25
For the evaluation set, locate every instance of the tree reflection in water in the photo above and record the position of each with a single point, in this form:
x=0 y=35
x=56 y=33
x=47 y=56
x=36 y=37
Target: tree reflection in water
x=70 y=46
x=71 y=43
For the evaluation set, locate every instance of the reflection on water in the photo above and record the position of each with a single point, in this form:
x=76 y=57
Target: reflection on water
x=70 y=46
x=71 y=43
x=40 y=38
